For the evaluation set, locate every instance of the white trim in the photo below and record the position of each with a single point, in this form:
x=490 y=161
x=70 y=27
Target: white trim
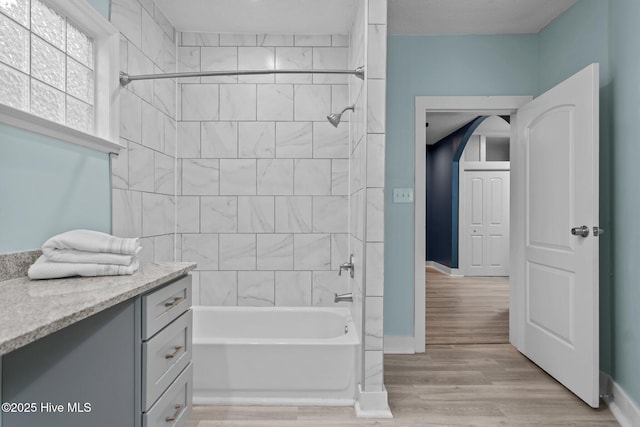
x=399 y=344
x=372 y=404
x=454 y=272
x=106 y=101
x=623 y=407
x=483 y=105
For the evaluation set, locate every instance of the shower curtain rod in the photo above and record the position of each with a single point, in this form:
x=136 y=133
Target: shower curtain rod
x=125 y=78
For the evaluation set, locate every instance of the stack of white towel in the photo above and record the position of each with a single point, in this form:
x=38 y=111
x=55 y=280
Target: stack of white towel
x=86 y=253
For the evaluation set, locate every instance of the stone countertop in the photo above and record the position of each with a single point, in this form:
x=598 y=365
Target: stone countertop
x=32 y=309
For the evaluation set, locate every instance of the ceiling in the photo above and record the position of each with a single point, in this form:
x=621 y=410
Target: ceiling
x=444 y=124
x=472 y=16
x=336 y=16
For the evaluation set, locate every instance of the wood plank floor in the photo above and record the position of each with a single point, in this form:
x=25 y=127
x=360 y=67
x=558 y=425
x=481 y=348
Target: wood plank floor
x=450 y=385
x=466 y=310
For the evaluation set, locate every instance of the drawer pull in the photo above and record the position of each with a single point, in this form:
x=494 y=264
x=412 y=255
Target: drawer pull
x=173 y=303
x=173 y=417
x=175 y=352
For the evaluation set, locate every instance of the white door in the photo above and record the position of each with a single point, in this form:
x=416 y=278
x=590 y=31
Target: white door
x=486 y=223
x=558 y=132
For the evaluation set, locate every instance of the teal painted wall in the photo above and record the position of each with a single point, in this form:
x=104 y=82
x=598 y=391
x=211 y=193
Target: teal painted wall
x=435 y=65
x=48 y=186
x=625 y=198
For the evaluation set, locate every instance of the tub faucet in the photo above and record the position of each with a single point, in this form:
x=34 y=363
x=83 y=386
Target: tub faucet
x=347 y=266
x=343 y=297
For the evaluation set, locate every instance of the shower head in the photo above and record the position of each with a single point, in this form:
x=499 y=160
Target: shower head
x=334 y=118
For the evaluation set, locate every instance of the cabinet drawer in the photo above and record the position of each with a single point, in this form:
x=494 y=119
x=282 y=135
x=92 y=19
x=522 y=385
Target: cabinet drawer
x=161 y=306
x=164 y=356
x=174 y=406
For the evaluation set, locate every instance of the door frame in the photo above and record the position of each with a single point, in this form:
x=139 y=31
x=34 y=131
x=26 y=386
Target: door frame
x=483 y=105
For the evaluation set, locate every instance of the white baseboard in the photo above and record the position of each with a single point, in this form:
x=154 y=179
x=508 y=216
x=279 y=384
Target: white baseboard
x=455 y=272
x=372 y=404
x=399 y=344
x=623 y=407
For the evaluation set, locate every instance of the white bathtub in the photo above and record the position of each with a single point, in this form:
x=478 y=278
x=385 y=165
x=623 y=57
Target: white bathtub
x=274 y=356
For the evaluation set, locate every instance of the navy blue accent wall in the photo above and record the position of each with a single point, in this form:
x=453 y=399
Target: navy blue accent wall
x=440 y=193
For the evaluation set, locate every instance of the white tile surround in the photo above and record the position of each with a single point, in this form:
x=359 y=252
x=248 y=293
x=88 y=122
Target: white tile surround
x=261 y=169
x=245 y=176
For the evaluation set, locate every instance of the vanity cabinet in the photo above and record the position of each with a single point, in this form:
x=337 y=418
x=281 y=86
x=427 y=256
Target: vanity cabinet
x=128 y=365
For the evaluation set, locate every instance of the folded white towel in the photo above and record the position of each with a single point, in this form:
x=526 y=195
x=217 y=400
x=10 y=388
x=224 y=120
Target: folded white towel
x=46 y=269
x=93 y=247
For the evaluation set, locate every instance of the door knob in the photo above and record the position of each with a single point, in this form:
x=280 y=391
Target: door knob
x=580 y=231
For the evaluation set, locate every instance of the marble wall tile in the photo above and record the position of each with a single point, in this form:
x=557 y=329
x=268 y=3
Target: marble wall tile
x=188 y=140
x=256 y=58
x=130 y=116
x=324 y=287
x=141 y=168
x=375 y=160
x=228 y=39
x=275 y=177
x=275 y=39
x=237 y=251
x=312 y=177
x=126 y=16
x=219 y=140
x=293 y=288
x=312 y=251
x=201 y=248
x=152 y=36
x=275 y=102
x=170 y=136
x=164 y=23
x=375 y=269
x=238 y=102
x=339 y=177
x=330 y=142
x=330 y=214
x=339 y=100
x=200 y=177
x=375 y=214
x=377 y=47
x=199 y=102
x=188 y=220
x=219 y=288
x=124 y=54
x=339 y=250
x=311 y=102
x=256 y=214
x=164 y=94
x=163 y=248
x=152 y=130
x=158 y=214
x=219 y=59
x=238 y=177
x=120 y=166
x=294 y=58
x=146 y=253
x=189 y=62
x=195 y=287
x=376 y=106
x=330 y=58
x=294 y=140
x=199 y=39
x=256 y=288
x=164 y=173
x=373 y=323
x=127 y=213
x=312 y=40
x=219 y=214
x=373 y=370
x=275 y=251
x=256 y=139
x=293 y=214
x=138 y=63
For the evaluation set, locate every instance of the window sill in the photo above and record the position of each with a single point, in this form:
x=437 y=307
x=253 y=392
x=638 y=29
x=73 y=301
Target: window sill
x=27 y=121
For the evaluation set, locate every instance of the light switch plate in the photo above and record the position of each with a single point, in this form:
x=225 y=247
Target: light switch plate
x=403 y=195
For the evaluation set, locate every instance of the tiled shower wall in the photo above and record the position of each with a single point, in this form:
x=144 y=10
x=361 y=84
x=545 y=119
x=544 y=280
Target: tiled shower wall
x=143 y=173
x=262 y=176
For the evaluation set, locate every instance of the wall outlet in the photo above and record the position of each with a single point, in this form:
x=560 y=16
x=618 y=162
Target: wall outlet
x=403 y=195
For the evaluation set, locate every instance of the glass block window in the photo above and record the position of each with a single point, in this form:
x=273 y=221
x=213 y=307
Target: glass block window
x=46 y=64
